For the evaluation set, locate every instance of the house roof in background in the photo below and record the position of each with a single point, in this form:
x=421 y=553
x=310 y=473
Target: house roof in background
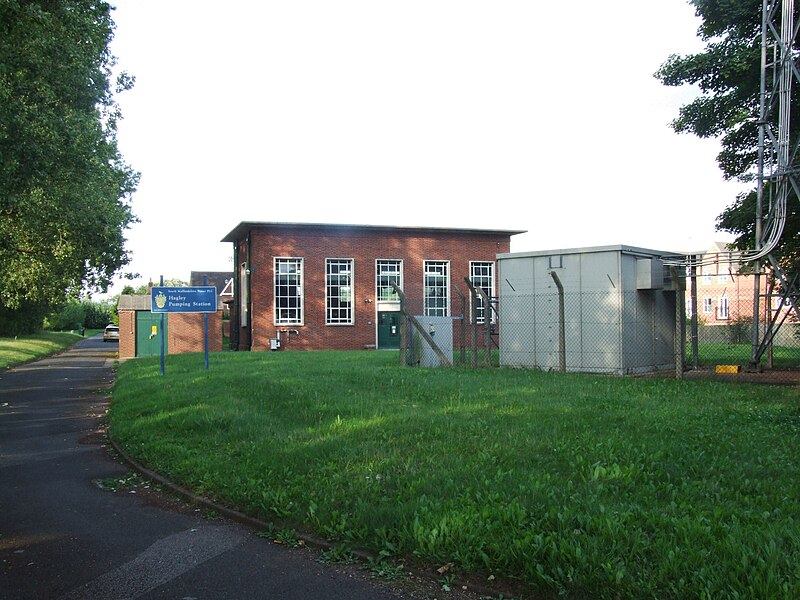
x=219 y=279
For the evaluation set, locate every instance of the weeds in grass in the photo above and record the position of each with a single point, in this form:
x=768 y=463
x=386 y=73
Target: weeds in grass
x=280 y=536
x=129 y=481
x=339 y=555
x=570 y=484
x=447 y=582
x=385 y=567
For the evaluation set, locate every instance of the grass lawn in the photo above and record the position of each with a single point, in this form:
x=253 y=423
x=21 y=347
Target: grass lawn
x=710 y=353
x=14 y=351
x=571 y=485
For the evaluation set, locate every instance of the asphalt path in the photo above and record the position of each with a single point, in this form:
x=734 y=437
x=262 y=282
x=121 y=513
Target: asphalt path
x=62 y=536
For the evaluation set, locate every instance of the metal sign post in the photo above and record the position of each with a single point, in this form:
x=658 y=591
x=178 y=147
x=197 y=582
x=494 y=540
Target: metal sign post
x=161 y=282
x=195 y=299
x=205 y=322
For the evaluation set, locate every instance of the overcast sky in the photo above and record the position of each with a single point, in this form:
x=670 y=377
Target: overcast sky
x=542 y=116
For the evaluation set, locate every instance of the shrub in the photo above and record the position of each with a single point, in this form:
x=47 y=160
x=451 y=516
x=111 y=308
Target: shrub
x=77 y=313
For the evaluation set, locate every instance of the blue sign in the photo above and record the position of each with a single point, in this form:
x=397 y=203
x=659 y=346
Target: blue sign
x=198 y=299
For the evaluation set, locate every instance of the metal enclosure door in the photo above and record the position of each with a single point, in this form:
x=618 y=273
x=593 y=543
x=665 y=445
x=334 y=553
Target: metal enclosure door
x=389 y=330
x=148 y=340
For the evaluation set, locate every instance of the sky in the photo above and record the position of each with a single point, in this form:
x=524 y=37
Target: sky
x=514 y=115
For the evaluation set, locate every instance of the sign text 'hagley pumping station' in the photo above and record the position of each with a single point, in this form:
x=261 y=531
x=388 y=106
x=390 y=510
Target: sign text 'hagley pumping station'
x=197 y=299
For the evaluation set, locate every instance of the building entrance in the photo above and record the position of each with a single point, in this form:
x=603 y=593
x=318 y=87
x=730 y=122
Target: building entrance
x=389 y=330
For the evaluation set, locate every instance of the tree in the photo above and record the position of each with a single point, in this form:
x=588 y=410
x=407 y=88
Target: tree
x=145 y=287
x=75 y=314
x=727 y=73
x=64 y=187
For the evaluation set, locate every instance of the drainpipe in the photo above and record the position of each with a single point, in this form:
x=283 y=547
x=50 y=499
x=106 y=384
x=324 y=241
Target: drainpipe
x=237 y=318
x=248 y=271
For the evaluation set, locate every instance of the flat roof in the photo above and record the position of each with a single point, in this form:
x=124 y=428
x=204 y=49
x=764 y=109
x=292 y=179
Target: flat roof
x=237 y=232
x=623 y=249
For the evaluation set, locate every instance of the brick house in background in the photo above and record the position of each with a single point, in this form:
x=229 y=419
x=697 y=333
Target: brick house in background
x=725 y=298
x=724 y=295
x=324 y=286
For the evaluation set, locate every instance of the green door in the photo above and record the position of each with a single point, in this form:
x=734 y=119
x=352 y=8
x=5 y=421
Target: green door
x=148 y=333
x=388 y=330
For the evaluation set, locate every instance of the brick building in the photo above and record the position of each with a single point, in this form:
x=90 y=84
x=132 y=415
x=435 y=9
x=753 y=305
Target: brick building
x=322 y=286
x=724 y=293
x=139 y=329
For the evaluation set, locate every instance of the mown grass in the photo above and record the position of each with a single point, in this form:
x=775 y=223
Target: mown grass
x=722 y=353
x=14 y=351
x=572 y=485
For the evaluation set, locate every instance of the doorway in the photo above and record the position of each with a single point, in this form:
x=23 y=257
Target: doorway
x=148 y=333
x=389 y=330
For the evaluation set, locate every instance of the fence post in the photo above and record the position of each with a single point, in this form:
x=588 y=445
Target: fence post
x=562 y=338
x=475 y=293
x=473 y=317
x=695 y=314
x=463 y=335
x=680 y=323
x=403 y=337
x=487 y=326
x=416 y=324
x=767 y=319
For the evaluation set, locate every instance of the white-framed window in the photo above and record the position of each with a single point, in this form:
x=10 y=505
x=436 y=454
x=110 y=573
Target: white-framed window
x=722 y=308
x=387 y=272
x=339 y=291
x=689 y=308
x=288 y=291
x=708 y=306
x=707 y=275
x=481 y=275
x=436 y=283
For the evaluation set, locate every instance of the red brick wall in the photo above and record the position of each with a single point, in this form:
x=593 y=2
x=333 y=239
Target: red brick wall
x=364 y=246
x=127 y=333
x=184 y=330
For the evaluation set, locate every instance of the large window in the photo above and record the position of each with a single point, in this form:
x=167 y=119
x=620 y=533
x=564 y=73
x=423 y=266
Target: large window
x=481 y=274
x=437 y=288
x=339 y=291
x=388 y=272
x=288 y=291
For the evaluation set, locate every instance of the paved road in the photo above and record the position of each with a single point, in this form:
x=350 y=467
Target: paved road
x=63 y=537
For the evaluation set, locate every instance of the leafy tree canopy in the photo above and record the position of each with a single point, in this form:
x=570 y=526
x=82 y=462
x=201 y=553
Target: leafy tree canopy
x=145 y=287
x=64 y=188
x=75 y=314
x=727 y=73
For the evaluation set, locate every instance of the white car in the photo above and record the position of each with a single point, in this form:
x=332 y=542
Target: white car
x=111 y=333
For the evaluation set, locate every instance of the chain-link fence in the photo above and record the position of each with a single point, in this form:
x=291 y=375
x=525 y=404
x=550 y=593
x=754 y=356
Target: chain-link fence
x=594 y=332
x=618 y=332
x=721 y=336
